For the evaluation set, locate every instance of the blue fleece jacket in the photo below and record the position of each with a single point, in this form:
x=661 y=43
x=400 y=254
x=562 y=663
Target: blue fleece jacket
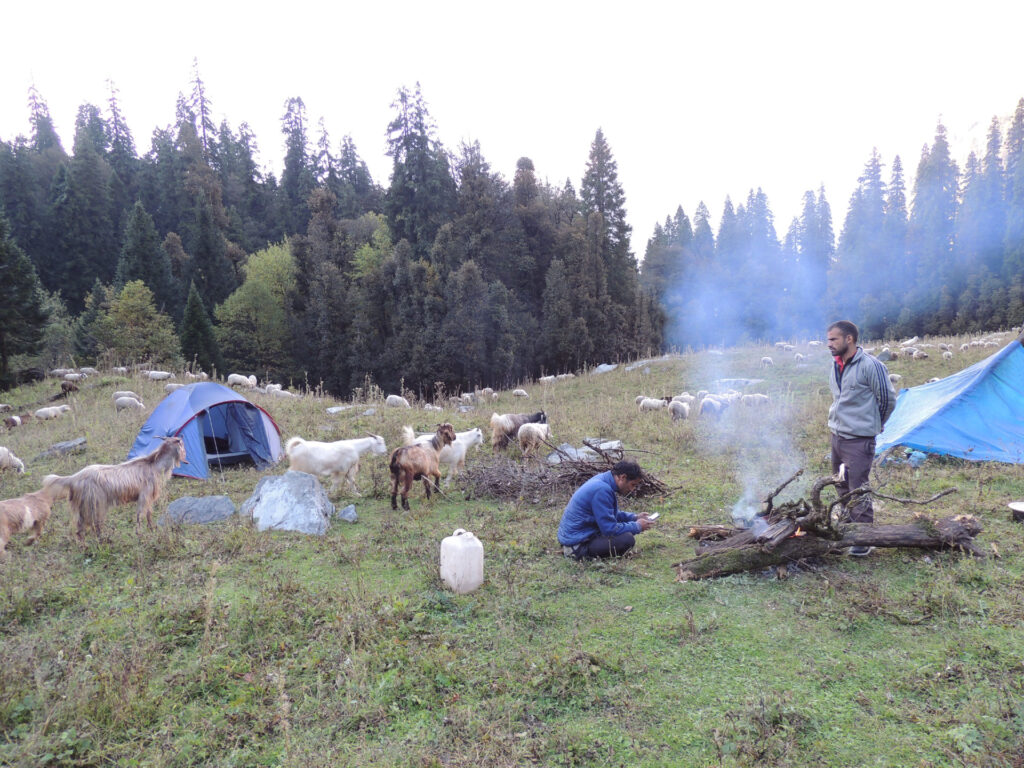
x=594 y=510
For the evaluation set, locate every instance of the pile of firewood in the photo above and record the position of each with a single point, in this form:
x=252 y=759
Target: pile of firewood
x=503 y=478
x=803 y=529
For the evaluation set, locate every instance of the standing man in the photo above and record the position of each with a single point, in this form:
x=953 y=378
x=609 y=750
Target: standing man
x=593 y=525
x=862 y=399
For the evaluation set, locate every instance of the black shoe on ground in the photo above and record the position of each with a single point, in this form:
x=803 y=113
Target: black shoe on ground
x=860 y=551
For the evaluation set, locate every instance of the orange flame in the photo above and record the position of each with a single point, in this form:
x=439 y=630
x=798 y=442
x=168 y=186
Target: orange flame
x=798 y=532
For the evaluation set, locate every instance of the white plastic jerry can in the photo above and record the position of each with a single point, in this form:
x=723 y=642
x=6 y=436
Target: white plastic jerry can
x=462 y=561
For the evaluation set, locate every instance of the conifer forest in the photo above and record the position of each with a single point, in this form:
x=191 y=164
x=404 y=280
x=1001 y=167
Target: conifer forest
x=454 y=273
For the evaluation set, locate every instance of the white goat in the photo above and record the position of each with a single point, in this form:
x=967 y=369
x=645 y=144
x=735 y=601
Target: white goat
x=9 y=461
x=128 y=404
x=52 y=412
x=454 y=455
x=339 y=459
x=531 y=436
x=679 y=410
x=396 y=401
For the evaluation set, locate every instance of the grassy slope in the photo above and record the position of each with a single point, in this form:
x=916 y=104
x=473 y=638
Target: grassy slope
x=221 y=646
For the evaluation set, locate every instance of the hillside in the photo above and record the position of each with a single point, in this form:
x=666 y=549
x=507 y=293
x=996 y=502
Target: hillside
x=222 y=646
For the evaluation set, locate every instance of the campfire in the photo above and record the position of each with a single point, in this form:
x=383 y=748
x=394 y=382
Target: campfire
x=793 y=531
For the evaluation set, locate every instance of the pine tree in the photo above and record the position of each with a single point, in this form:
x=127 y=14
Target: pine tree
x=22 y=316
x=297 y=178
x=143 y=258
x=203 y=110
x=422 y=194
x=198 y=340
x=209 y=266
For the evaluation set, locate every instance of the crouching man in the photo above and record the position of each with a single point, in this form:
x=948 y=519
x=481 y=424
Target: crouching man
x=592 y=525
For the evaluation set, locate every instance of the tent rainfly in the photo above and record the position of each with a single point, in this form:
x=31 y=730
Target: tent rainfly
x=976 y=414
x=219 y=427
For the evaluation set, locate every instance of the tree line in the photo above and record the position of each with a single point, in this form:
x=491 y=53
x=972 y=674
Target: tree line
x=452 y=275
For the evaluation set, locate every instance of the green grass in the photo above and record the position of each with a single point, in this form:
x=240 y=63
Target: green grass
x=222 y=646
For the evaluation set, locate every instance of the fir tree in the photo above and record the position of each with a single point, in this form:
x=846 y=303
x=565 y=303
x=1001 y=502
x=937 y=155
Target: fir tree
x=143 y=258
x=198 y=340
x=22 y=315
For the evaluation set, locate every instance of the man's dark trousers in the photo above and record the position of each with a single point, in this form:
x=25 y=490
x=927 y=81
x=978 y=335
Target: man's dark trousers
x=856 y=453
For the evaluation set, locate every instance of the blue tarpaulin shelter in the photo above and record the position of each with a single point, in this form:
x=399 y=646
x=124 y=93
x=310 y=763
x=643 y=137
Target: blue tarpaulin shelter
x=219 y=427
x=975 y=414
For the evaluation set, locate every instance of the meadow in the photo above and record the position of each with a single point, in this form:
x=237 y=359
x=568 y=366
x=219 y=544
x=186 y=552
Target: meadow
x=221 y=646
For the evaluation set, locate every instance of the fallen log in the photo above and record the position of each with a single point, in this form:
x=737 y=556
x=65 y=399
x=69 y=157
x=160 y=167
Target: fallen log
x=747 y=551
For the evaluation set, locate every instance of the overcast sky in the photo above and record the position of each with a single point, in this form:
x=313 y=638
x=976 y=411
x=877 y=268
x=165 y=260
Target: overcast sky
x=697 y=100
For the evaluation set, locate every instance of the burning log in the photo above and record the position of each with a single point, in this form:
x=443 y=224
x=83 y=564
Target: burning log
x=799 y=530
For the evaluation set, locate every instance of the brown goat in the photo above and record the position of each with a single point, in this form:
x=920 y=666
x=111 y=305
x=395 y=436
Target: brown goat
x=67 y=387
x=28 y=512
x=412 y=462
x=93 y=490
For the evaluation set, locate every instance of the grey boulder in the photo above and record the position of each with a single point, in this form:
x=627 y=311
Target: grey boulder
x=294 y=501
x=190 y=509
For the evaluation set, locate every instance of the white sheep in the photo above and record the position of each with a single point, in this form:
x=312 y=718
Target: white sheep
x=61 y=371
x=273 y=388
x=487 y=392
x=651 y=404
x=197 y=376
x=755 y=399
x=171 y=386
x=75 y=376
x=767 y=362
x=430 y=407
x=396 y=401
x=128 y=404
x=945 y=347
x=639 y=399
x=520 y=393
x=9 y=461
x=964 y=347
x=712 y=406
x=686 y=397
x=919 y=355
x=813 y=343
x=531 y=436
x=238 y=380
x=89 y=371
x=798 y=357
x=679 y=410
x=563 y=376
x=120 y=370
x=160 y=375
x=468 y=398
x=284 y=393
x=52 y=412
x=546 y=379
x=895 y=378
x=339 y=459
x=947 y=355
x=126 y=393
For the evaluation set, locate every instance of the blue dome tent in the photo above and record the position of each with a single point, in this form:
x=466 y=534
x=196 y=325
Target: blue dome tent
x=976 y=414
x=219 y=427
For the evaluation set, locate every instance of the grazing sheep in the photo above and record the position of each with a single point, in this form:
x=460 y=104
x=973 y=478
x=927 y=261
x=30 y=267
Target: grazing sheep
x=469 y=398
x=429 y=407
x=198 y=375
x=909 y=341
x=126 y=393
x=546 y=379
x=651 y=404
x=798 y=357
x=25 y=513
x=945 y=347
x=487 y=392
x=9 y=461
x=396 y=401
x=171 y=386
x=412 y=462
x=12 y=421
x=89 y=371
x=754 y=400
x=679 y=410
x=520 y=393
x=505 y=427
x=120 y=370
x=59 y=372
x=767 y=362
x=788 y=347
x=66 y=387
x=813 y=343
x=686 y=397
x=563 y=376
x=947 y=355
x=5 y=408
x=895 y=378
x=339 y=459
x=532 y=436
x=52 y=412
x=93 y=490
x=454 y=455
x=160 y=375
x=128 y=404
x=238 y=380
x=712 y=406
x=964 y=347
x=281 y=393
x=75 y=377
x=273 y=388
x=920 y=355
x=639 y=399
